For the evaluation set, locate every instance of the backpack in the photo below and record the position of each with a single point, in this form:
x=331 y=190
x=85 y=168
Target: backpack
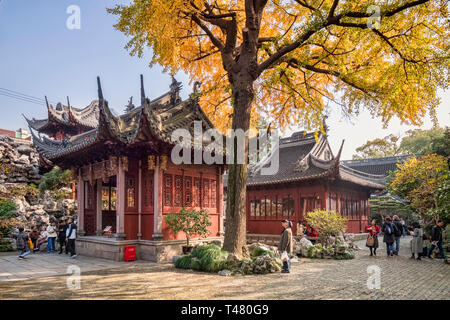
x=388 y=229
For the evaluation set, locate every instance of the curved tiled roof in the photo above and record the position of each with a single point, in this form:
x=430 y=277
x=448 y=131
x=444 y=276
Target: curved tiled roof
x=68 y=117
x=157 y=118
x=302 y=158
x=380 y=166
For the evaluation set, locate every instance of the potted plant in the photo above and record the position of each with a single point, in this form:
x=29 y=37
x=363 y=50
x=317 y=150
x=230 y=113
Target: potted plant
x=191 y=222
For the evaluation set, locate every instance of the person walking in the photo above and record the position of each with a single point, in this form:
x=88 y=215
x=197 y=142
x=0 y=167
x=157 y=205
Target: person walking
x=397 y=233
x=51 y=237
x=71 y=235
x=372 y=237
x=388 y=229
x=417 y=241
x=286 y=246
x=62 y=236
x=403 y=227
x=436 y=239
x=22 y=243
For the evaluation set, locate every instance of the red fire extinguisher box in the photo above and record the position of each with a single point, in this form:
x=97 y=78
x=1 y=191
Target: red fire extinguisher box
x=129 y=253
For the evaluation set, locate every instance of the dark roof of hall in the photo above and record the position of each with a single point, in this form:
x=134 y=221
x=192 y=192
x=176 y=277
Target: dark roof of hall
x=291 y=150
x=380 y=166
x=302 y=157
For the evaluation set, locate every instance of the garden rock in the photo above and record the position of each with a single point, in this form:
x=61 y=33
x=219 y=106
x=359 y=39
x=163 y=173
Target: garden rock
x=302 y=247
x=225 y=273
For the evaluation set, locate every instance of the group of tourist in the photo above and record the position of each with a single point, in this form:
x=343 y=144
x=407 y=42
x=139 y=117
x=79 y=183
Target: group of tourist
x=66 y=232
x=393 y=229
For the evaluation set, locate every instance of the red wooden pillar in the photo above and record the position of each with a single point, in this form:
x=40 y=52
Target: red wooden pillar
x=139 y=235
x=219 y=200
x=98 y=209
x=80 y=203
x=121 y=197
x=157 y=201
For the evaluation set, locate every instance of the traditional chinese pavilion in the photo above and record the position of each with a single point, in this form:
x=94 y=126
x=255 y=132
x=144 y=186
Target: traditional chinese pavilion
x=309 y=177
x=126 y=182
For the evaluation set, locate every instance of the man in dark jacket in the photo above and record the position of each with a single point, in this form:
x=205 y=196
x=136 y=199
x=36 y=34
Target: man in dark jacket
x=436 y=239
x=62 y=236
x=286 y=244
x=71 y=235
x=22 y=243
x=388 y=230
x=397 y=233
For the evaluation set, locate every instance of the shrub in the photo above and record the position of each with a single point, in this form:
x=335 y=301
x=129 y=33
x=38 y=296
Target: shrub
x=261 y=251
x=191 y=222
x=209 y=258
x=184 y=262
x=327 y=223
x=7 y=220
x=55 y=180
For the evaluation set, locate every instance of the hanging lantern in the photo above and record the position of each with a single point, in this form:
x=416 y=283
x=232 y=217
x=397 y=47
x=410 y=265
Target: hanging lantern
x=151 y=162
x=125 y=163
x=163 y=162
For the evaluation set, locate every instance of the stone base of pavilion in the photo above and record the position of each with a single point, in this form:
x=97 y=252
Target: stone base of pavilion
x=149 y=250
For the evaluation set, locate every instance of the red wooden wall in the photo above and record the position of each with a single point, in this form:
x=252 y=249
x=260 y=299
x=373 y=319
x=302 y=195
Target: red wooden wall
x=349 y=200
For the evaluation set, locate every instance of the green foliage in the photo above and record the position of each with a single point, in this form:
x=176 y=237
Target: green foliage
x=7 y=220
x=387 y=205
x=418 y=180
x=420 y=142
x=183 y=262
x=377 y=148
x=442 y=197
x=191 y=222
x=7 y=209
x=55 y=180
x=209 y=258
x=261 y=252
x=327 y=223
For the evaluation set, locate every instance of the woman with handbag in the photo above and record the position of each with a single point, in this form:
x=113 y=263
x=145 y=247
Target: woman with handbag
x=372 y=238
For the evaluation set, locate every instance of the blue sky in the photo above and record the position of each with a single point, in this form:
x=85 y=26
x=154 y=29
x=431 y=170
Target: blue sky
x=40 y=56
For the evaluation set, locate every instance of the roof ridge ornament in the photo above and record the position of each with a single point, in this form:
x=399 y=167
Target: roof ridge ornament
x=99 y=89
x=143 y=100
x=130 y=106
x=46 y=102
x=175 y=88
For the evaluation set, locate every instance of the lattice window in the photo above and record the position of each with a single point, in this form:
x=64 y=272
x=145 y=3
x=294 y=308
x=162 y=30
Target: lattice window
x=147 y=188
x=168 y=190
x=187 y=191
x=206 y=193
x=213 y=194
x=197 y=193
x=131 y=191
x=178 y=191
x=89 y=196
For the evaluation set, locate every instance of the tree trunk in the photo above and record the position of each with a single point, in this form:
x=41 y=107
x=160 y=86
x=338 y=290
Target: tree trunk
x=235 y=225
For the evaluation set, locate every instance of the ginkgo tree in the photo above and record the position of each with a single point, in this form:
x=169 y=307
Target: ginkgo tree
x=289 y=59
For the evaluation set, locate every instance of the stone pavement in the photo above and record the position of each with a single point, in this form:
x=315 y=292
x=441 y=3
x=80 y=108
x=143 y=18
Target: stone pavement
x=400 y=278
x=42 y=264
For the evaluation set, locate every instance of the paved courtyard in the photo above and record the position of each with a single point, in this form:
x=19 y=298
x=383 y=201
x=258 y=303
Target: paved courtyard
x=44 y=276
